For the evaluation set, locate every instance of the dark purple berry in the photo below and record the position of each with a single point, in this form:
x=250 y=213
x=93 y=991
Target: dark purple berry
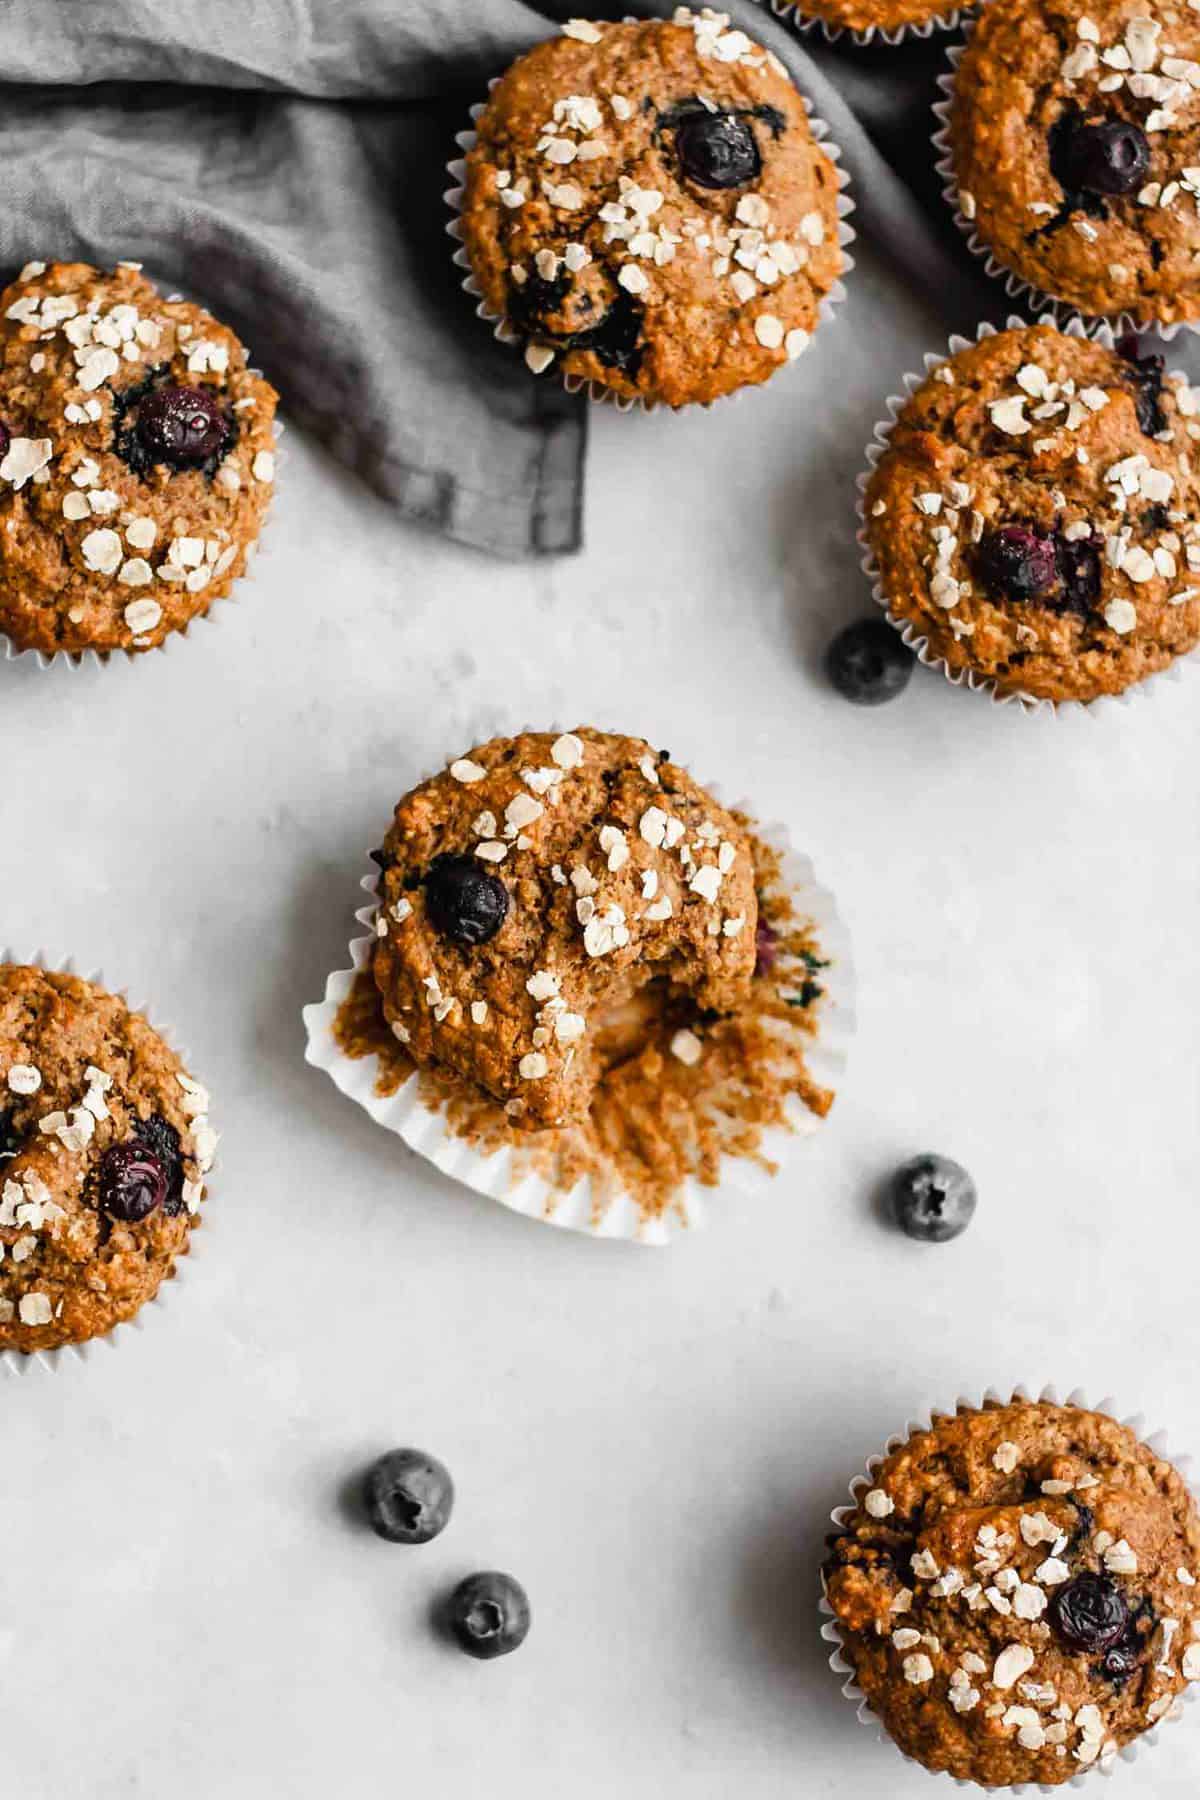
x=1108 y=157
x=933 y=1199
x=717 y=150
x=163 y=1139
x=10 y=1142
x=465 y=901
x=488 y=1615
x=132 y=1182
x=182 y=426
x=408 y=1497
x=1017 y=563
x=1079 y=570
x=766 y=947
x=5 y=439
x=1089 y=1613
x=1146 y=376
x=869 y=662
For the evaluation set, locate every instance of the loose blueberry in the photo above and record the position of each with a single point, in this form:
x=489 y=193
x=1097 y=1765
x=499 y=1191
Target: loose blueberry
x=488 y=1615
x=717 y=150
x=1017 y=563
x=933 y=1199
x=1109 y=157
x=182 y=426
x=465 y=902
x=1089 y=1613
x=766 y=947
x=408 y=1497
x=869 y=663
x=163 y=1139
x=131 y=1182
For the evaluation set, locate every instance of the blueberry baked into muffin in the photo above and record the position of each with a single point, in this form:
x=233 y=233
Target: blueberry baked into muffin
x=646 y=204
x=540 y=881
x=104 y=1144
x=136 y=460
x=1034 y=515
x=1015 y=1591
x=1073 y=132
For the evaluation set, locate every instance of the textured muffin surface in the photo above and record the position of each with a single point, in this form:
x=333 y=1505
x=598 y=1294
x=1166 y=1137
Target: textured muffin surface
x=105 y=544
x=647 y=205
x=1036 y=518
x=613 y=868
x=1016 y=1592
x=874 y=15
x=79 y=1075
x=1075 y=141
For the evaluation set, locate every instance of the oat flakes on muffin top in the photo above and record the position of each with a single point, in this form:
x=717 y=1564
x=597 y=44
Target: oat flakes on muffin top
x=104 y=1144
x=535 y=886
x=136 y=460
x=1016 y=1591
x=1036 y=518
x=647 y=205
x=1075 y=142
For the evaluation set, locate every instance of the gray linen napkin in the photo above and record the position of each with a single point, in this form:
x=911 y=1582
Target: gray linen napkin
x=283 y=161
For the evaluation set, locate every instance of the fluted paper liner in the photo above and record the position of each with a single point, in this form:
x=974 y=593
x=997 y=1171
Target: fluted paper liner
x=809 y=25
x=507 y=333
x=19 y=1362
x=831 y=1630
x=908 y=629
x=498 y=1174
x=1034 y=299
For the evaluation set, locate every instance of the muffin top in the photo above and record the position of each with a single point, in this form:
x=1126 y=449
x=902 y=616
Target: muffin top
x=1035 y=515
x=875 y=15
x=104 y=1141
x=647 y=205
x=534 y=887
x=1075 y=143
x=1016 y=1591
x=136 y=459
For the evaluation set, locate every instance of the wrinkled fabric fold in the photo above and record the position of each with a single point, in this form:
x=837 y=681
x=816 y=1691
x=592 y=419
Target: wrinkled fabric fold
x=284 y=163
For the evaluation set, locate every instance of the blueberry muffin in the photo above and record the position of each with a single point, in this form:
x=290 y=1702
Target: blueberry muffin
x=1015 y=1590
x=1035 y=516
x=646 y=204
x=104 y=1143
x=892 y=17
x=536 y=886
x=136 y=460
x=1074 y=134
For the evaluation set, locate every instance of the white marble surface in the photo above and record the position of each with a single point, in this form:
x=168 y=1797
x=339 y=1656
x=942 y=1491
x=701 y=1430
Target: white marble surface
x=650 y=1440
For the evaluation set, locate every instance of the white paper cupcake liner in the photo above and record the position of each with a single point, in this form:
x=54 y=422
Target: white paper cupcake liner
x=1100 y=333
x=18 y=1362
x=1024 y=292
x=498 y=1174
x=831 y=1631
x=256 y=551
x=507 y=333
x=809 y=26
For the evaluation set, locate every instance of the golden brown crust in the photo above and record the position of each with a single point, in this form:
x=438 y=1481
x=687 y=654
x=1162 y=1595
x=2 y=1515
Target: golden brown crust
x=95 y=554
x=715 y=289
x=1039 y=429
x=944 y=1584
x=618 y=867
x=874 y=15
x=78 y=1073
x=1028 y=65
